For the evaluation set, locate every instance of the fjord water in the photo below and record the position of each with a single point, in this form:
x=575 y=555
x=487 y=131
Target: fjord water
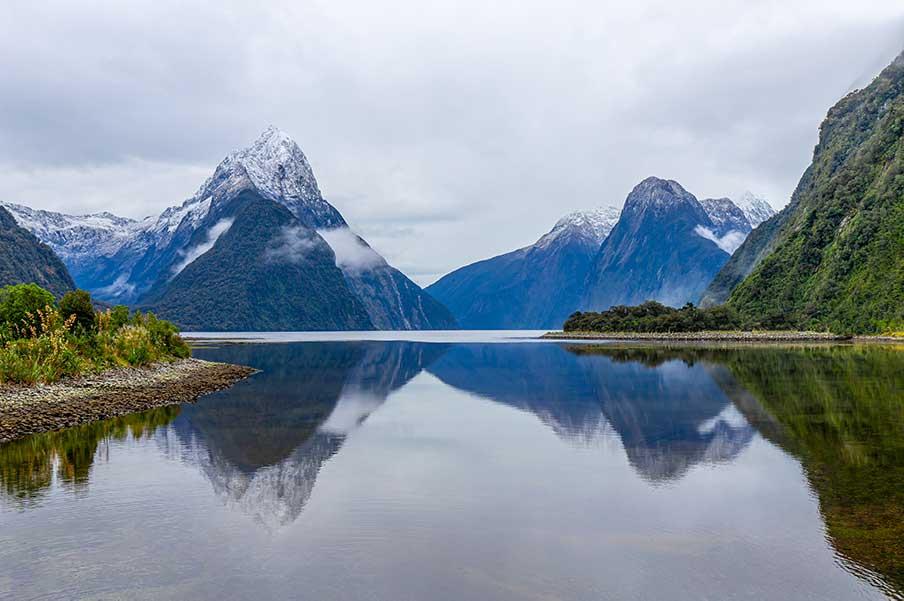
x=444 y=469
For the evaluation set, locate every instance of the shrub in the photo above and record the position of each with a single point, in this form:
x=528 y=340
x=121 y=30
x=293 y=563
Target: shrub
x=133 y=344
x=119 y=316
x=19 y=307
x=78 y=303
x=652 y=316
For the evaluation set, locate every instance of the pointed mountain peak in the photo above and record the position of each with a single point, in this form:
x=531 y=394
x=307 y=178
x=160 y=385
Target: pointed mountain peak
x=660 y=196
x=275 y=166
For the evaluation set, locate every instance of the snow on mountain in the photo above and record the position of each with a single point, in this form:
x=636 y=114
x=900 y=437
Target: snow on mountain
x=73 y=235
x=654 y=251
x=726 y=216
x=277 y=168
x=655 y=197
x=756 y=208
x=593 y=226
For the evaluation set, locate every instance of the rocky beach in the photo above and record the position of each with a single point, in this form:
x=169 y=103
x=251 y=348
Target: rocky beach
x=26 y=410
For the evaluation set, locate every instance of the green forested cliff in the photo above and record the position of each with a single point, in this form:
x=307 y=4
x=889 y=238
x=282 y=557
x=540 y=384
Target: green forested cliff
x=25 y=260
x=837 y=250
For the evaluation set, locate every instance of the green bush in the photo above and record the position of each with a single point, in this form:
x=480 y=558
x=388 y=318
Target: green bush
x=78 y=303
x=652 y=316
x=20 y=306
x=119 y=316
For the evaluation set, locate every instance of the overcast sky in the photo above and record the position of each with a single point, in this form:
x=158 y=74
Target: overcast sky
x=445 y=132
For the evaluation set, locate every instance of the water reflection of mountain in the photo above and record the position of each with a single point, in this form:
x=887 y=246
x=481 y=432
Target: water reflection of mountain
x=263 y=442
x=669 y=415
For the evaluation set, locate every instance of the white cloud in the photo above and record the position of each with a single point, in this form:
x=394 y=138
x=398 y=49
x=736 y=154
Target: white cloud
x=352 y=254
x=121 y=287
x=729 y=242
x=213 y=234
x=291 y=245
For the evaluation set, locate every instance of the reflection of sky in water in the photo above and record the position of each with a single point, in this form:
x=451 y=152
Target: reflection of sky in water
x=393 y=471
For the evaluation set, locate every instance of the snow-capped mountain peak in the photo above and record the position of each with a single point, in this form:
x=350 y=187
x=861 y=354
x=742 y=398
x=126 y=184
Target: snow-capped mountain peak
x=593 y=225
x=278 y=169
x=726 y=215
x=756 y=208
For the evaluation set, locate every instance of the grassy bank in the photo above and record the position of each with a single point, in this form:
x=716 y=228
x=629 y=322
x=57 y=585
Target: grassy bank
x=43 y=340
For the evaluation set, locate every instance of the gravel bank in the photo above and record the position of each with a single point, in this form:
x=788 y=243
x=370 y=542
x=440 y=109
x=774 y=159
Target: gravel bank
x=28 y=410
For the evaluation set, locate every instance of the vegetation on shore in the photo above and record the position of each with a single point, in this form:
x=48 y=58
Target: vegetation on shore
x=42 y=340
x=652 y=316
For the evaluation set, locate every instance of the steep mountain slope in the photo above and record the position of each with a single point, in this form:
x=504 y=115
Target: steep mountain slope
x=122 y=260
x=834 y=257
x=658 y=250
x=265 y=271
x=24 y=259
x=538 y=286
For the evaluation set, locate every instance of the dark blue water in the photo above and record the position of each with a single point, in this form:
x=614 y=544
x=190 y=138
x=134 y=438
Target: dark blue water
x=422 y=470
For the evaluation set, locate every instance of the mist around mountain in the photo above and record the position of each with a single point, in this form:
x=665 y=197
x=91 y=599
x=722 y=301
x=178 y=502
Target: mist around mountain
x=24 y=259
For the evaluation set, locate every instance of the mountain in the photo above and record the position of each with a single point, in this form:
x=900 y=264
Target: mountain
x=275 y=274
x=24 y=259
x=662 y=249
x=726 y=216
x=137 y=262
x=834 y=257
x=731 y=223
x=537 y=286
x=755 y=208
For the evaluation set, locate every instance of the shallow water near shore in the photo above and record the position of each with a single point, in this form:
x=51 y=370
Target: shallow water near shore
x=478 y=467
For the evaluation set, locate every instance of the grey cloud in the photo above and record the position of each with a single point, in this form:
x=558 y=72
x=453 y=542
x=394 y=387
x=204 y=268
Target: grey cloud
x=470 y=126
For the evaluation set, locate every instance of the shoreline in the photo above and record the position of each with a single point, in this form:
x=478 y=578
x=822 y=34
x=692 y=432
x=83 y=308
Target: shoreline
x=720 y=336
x=26 y=410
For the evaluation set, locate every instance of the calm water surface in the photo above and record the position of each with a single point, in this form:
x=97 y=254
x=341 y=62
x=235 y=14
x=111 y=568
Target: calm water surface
x=450 y=469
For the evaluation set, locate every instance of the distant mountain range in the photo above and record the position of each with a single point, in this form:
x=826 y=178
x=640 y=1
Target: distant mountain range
x=664 y=245
x=257 y=247
x=537 y=286
x=834 y=256
x=24 y=259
